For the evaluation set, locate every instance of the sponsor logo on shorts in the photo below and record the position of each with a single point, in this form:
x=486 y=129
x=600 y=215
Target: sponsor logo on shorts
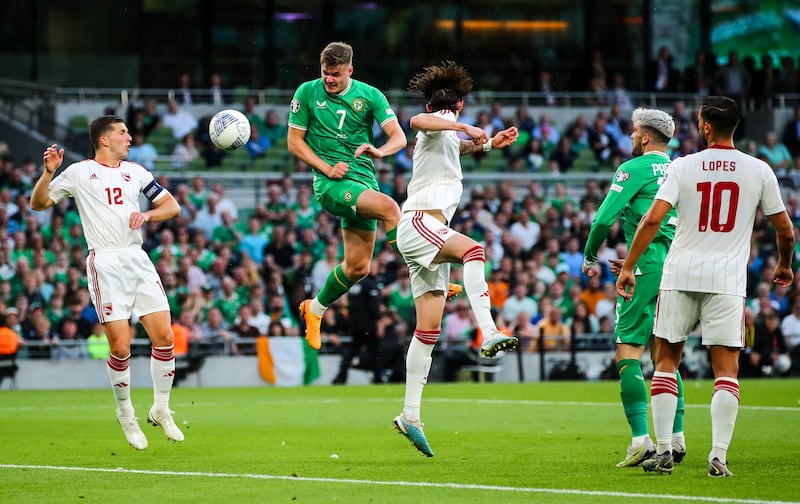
x=294 y=106
x=358 y=104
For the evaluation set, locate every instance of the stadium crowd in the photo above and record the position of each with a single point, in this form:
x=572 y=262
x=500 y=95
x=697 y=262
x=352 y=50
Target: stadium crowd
x=233 y=273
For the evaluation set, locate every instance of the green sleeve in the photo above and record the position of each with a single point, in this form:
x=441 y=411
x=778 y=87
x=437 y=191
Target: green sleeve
x=621 y=192
x=298 y=109
x=380 y=107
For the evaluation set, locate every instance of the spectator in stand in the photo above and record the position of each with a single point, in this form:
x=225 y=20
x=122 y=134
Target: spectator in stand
x=592 y=293
x=254 y=240
x=151 y=118
x=520 y=302
x=564 y=154
x=216 y=95
x=66 y=344
x=180 y=121
x=142 y=152
x=185 y=151
x=661 y=75
x=791 y=133
x=535 y=155
x=790 y=328
x=525 y=229
x=696 y=76
x=97 y=346
x=600 y=139
x=457 y=327
x=733 y=80
x=545 y=87
x=764 y=83
x=556 y=332
x=279 y=252
x=183 y=94
x=768 y=355
x=275 y=210
x=324 y=266
x=258 y=145
x=618 y=95
x=208 y=217
x=224 y=203
x=279 y=312
x=216 y=333
x=243 y=328
x=775 y=153
x=583 y=322
x=275 y=128
x=252 y=114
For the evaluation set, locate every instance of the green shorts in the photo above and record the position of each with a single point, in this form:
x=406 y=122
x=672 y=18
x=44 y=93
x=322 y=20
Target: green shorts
x=635 y=317
x=339 y=198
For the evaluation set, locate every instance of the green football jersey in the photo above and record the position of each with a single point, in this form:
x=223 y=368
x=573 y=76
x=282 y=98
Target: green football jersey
x=632 y=191
x=336 y=125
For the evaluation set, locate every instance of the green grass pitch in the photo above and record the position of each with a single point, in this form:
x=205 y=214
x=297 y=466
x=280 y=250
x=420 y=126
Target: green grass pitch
x=494 y=443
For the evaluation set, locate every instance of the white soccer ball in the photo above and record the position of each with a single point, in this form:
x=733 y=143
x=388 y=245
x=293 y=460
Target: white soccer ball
x=229 y=129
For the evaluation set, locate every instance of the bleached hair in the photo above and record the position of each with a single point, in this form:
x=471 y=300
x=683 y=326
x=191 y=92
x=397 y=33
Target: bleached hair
x=655 y=120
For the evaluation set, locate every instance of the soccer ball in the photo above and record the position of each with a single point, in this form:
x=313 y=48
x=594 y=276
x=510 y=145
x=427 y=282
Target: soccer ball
x=229 y=129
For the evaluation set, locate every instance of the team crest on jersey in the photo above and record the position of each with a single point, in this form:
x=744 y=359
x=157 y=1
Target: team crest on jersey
x=294 y=106
x=358 y=104
x=348 y=196
x=126 y=176
x=108 y=309
x=622 y=176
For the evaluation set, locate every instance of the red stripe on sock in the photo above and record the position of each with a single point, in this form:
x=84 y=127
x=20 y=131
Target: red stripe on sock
x=427 y=337
x=118 y=364
x=664 y=385
x=730 y=386
x=476 y=253
x=162 y=354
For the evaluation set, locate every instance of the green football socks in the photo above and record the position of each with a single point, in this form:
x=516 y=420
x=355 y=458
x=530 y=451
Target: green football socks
x=391 y=237
x=633 y=392
x=677 y=425
x=335 y=286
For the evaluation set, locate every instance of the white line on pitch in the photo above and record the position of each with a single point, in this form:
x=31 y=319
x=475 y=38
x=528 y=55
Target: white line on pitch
x=508 y=402
x=419 y=484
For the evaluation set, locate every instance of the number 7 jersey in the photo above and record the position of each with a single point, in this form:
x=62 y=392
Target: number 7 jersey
x=716 y=193
x=106 y=196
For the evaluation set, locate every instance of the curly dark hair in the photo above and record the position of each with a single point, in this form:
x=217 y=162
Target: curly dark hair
x=442 y=85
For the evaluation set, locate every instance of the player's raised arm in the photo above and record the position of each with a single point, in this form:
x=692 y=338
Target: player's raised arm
x=397 y=140
x=40 y=197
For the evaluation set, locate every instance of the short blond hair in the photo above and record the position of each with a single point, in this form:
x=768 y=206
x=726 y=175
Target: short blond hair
x=654 y=120
x=336 y=54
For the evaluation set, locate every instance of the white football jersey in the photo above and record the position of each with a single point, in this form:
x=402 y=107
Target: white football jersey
x=716 y=193
x=106 y=197
x=436 y=175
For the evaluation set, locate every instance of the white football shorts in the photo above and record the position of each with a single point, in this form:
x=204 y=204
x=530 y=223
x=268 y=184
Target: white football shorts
x=124 y=281
x=420 y=237
x=721 y=317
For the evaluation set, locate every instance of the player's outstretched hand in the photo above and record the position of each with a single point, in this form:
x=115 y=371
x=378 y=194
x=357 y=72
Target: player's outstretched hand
x=338 y=170
x=505 y=138
x=370 y=150
x=625 y=281
x=615 y=265
x=53 y=157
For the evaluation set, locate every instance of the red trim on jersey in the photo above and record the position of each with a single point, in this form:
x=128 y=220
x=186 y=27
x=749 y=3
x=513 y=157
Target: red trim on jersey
x=97 y=295
x=424 y=231
x=107 y=166
x=724 y=147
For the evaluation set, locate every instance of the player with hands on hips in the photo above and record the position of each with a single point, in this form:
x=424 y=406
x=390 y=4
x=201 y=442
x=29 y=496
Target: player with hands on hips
x=122 y=280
